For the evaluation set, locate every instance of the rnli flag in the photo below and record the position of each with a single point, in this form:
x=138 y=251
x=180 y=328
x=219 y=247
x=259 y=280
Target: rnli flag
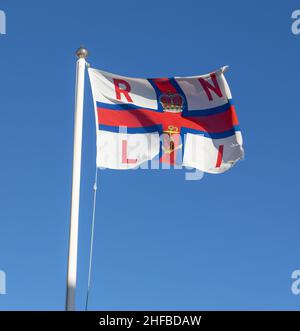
x=188 y=121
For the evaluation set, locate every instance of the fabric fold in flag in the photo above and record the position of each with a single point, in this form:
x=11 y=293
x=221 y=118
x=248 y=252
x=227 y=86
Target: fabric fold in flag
x=189 y=121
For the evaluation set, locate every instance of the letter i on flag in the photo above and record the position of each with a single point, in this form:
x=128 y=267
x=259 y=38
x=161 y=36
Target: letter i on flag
x=182 y=120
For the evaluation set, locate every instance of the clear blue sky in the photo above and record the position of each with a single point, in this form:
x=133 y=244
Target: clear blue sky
x=229 y=241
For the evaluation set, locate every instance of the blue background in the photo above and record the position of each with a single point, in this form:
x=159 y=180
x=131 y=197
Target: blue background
x=228 y=241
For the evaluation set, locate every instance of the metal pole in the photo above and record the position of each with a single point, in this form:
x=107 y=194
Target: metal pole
x=81 y=53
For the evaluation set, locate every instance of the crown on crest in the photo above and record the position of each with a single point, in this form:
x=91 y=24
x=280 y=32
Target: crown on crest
x=172 y=102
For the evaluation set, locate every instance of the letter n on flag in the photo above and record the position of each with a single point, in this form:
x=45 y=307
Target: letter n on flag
x=189 y=121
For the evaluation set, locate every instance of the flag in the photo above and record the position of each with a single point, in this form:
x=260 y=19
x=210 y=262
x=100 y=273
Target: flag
x=188 y=121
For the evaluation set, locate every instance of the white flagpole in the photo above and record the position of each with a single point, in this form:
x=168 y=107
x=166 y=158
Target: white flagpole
x=81 y=53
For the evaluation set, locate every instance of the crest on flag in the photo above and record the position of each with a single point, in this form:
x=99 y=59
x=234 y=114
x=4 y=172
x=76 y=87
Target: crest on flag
x=171 y=102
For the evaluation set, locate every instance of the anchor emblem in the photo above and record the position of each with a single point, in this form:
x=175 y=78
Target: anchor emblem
x=172 y=130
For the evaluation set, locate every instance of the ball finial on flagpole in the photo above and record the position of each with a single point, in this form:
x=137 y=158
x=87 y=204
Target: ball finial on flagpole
x=82 y=52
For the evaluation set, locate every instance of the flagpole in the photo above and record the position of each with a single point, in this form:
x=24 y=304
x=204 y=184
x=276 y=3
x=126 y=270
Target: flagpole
x=81 y=54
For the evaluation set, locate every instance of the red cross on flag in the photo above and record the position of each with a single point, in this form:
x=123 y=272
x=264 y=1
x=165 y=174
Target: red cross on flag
x=188 y=121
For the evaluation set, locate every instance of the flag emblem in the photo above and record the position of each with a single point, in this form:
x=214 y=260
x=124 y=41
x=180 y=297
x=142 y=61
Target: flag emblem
x=171 y=103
